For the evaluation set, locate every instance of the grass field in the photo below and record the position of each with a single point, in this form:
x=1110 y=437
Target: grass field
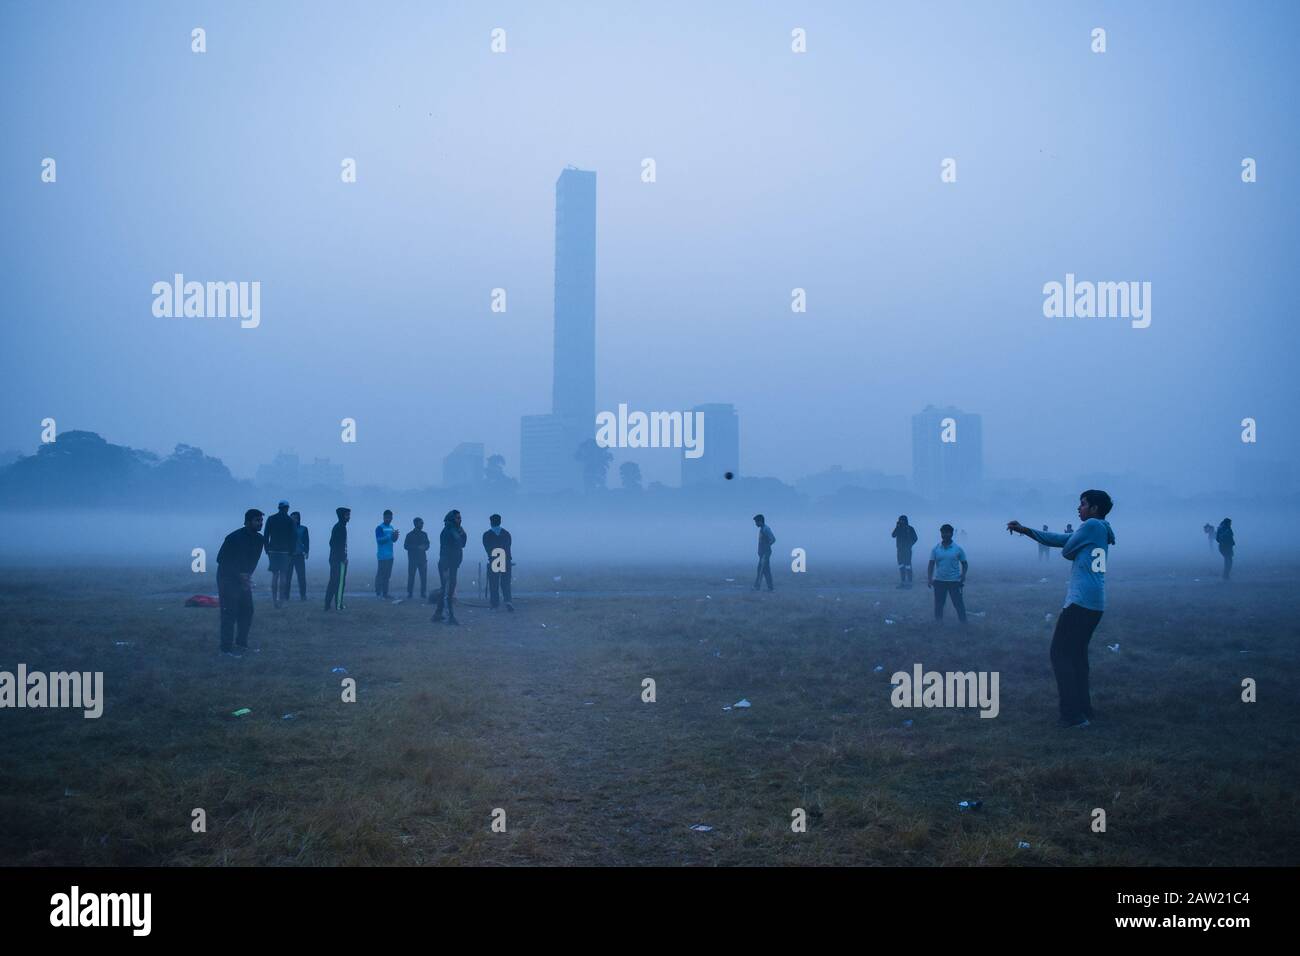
x=540 y=713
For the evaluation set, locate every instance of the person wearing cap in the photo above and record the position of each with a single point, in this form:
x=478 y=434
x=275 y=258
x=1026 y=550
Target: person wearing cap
x=904 y=536
x=496 y=542
x=236 y=562
x=298 y=560
x=338 y=560
x=417 y=559
x=281 y=536
x=451 y=548
x=385 y=536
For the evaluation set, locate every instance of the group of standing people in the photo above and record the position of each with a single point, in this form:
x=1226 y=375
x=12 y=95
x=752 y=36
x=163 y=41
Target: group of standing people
x=287 y=544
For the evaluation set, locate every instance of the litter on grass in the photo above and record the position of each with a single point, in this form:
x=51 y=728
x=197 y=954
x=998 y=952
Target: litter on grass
x=969 y=804
x=907 y=723
x=741 y=703
x=1113 y=647
x=338 y=670
x=889 y=620
x=700 y=828
x=878 y=668
x=243 y=711
x=1022 y=845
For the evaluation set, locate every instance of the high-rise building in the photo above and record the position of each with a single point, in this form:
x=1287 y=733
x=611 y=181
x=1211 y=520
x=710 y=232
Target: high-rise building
x=548 y=443
x=721 y=447
x=548 y=446
x=463 y=468
x=947 y=453
x=290 y=474
x=573 y=394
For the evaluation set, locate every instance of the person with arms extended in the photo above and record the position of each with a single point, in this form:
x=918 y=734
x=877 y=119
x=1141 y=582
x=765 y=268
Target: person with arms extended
x=946 y=573
x=236 y=562
x=1085 y=601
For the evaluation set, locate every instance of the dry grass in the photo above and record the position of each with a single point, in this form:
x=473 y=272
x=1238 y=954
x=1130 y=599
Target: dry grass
x=548 y=723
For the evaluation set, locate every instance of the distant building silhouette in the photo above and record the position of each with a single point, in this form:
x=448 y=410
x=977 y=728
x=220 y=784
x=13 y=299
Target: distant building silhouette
x=947 y=469
x=463 y=468
x=548 y=443
x=721 y=447
x=836 y=478
x=287 y=472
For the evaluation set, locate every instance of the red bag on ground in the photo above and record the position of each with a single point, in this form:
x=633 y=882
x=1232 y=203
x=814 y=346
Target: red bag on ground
x=202 y=600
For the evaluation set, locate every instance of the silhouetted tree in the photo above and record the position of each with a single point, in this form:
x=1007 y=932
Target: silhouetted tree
x=629 y=473
x=595 y=464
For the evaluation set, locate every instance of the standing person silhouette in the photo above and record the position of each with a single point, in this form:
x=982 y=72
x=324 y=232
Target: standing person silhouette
x=385 y=536
x=417 y=559
x=904 y=536
x=338 y=561
x=766 y=538
x=1227 y=544
x=281 y=536
x=946 y=573
x=451 y=549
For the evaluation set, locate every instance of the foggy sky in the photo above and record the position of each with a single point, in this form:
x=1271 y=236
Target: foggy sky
x=775 y=171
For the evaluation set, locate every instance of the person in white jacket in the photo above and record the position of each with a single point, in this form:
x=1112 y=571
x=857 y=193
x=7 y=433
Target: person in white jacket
x=1085 y=601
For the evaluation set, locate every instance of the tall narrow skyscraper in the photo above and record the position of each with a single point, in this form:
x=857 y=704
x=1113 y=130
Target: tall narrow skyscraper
x=548 y=443
x=573 y=395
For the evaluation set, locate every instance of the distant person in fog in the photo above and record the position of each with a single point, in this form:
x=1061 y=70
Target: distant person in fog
x=1227 y=544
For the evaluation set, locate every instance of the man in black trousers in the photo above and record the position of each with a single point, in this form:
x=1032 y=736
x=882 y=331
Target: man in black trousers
x=298 y=561
x=236 y=562
x=496 y=542
x=417 y=559
x=281 y=536
x=338 y=561
x=451 y=548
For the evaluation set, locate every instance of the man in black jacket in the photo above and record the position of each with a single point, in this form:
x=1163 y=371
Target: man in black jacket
x=417 y=559
x=236 y=562
x=451 y=548
x=904 y=536
x=338 y=561
x=496 y=542
x=281 y=536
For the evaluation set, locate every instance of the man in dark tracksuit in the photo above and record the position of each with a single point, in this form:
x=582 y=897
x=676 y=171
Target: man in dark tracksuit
x=451 y=548
x=766 y=538
x=904 y=536
x=281 y=536
x=417 y=559
x=496 y=542
x=338 y=561
x=236 y=562
x=298 y=561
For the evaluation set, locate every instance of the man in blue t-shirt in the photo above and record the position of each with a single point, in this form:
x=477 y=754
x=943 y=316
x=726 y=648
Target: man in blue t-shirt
x=946 y=573
x=385 y=535
x=1087 y=549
